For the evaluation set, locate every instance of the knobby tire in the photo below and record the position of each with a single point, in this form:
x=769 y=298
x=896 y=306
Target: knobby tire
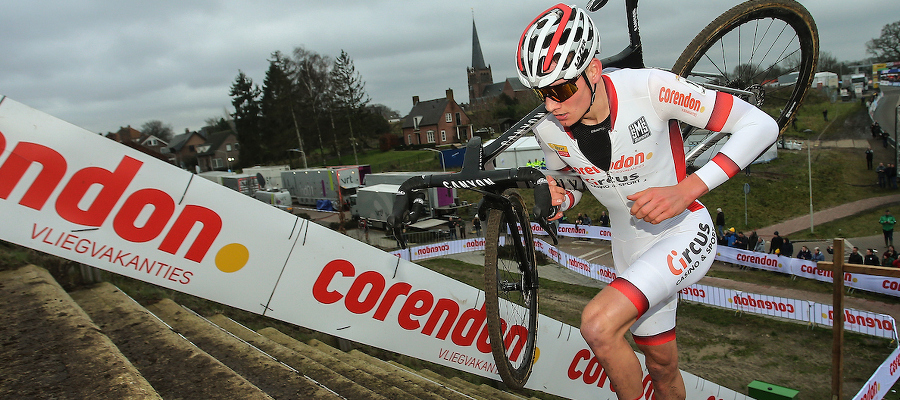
x=783 y=22
x=510 y=309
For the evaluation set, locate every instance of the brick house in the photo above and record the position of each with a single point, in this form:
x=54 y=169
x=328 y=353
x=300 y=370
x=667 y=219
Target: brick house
x=439 y=122
x=184 y=147
x=220 y=152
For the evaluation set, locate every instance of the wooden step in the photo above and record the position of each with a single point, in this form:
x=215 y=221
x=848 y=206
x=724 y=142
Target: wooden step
x=353 y=367
x=51 y=348
x=276 y=379
x=306 y=365
x=173 y=365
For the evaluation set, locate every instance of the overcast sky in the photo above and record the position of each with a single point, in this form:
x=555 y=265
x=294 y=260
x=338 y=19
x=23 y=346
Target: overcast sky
x=106 y=64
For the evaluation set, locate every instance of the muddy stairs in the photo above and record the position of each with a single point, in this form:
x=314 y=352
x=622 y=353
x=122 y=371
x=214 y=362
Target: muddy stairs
x=98 y=343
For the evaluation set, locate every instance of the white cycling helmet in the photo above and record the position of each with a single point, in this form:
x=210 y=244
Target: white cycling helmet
x=558 y=44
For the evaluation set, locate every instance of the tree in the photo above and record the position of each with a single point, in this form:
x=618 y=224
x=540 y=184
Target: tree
x=887 y=46
x=311 y=76
x=159 y=129
x=277 y=119
x=349 y=91
x=247 y=116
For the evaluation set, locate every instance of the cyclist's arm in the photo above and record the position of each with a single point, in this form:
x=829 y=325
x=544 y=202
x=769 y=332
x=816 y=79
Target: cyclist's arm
x=561 y=197
x=753 y=131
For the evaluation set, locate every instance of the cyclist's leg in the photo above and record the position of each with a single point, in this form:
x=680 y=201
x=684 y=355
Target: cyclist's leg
x=603 y=324
x=654 y=334
x=662 y=364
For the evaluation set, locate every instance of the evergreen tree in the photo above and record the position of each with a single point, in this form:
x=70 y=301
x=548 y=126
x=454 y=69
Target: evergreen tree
x=277 y=118
x=245 y=99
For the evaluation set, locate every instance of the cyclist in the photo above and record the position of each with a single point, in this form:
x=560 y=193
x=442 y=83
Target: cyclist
x=619 y=132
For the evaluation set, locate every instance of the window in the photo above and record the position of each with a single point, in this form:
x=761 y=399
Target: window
x=430 y=136
x=228 y=147
x=217 y=163
x=458 y=119
x=408 y=138
x=449 y=118
x=443 y=136
x=237 y=146
x=152 y=142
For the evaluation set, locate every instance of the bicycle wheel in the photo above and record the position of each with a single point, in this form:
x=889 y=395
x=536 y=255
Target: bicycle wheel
x=511 y=295
x=754 y=51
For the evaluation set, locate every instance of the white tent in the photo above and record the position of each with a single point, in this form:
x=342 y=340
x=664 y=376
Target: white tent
x=523 y=151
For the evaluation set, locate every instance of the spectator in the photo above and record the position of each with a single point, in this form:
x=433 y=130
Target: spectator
x=751 y=242
x=804 y=253
x=896 y=263
x=476 y=222
x=720 y=223
x=787 y=248
x=855 y=257
x=730 y=237
x=871 y=258
x=776 y=243
x=887 y=222
x=760 y=246
x=830 y=249
x=890 y=250
x=884 y=139
x=887 y=259
x=825 y=114
x=452 y=225
x=869 y=156
x=882 y=176
x=740 y=242
x=876 y=130
x=587 y=220
x=891 y=173
x=817 y=255
x=604 y=219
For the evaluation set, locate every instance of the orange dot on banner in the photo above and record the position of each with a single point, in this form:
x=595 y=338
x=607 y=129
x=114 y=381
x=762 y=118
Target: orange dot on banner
x=537 y=353
x=232 y=257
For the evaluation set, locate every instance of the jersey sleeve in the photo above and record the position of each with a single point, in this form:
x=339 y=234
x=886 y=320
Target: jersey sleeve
x=752 y=130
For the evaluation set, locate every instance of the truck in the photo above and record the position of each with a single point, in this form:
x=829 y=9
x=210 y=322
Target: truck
x=279 y=198
x=374 y=204
x=246 y=184
x=438 y=200
x=271 y=174
x=323 y=188
x=858 y=84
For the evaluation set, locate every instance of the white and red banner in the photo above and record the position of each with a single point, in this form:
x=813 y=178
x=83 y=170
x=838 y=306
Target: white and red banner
x=71 y=193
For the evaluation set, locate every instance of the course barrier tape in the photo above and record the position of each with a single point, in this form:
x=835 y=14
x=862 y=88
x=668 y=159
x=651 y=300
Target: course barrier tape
x=769 y=262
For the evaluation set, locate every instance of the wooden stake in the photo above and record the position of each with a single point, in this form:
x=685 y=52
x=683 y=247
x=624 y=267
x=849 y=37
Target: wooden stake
x=837 y=356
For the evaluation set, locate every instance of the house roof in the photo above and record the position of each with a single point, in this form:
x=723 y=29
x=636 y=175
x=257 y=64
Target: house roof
x=215 y=141
x=178 y=141
x=431 y=111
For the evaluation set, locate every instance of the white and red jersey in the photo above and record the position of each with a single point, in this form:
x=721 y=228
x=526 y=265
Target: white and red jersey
x=646 y=144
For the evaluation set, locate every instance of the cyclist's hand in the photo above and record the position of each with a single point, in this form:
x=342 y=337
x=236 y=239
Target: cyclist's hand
x=557 y=196
x=658 y=204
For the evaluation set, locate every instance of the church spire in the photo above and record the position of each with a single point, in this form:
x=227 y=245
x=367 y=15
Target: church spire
x=477 y=55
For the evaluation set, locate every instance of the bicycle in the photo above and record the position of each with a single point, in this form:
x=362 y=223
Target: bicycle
x=510 y=274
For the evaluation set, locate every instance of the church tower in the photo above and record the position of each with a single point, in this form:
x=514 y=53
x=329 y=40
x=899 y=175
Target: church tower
x=479 y=74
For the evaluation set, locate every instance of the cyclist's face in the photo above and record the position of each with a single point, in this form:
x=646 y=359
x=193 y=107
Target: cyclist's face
x=568 y=112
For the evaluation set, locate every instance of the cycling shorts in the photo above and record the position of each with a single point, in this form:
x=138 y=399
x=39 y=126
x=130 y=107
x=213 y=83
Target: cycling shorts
x=652 y=270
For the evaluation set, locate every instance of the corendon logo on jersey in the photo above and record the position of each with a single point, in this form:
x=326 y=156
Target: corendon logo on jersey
x=142 y=217
x=632 y=162
x=563 y=151
x=677 y=98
